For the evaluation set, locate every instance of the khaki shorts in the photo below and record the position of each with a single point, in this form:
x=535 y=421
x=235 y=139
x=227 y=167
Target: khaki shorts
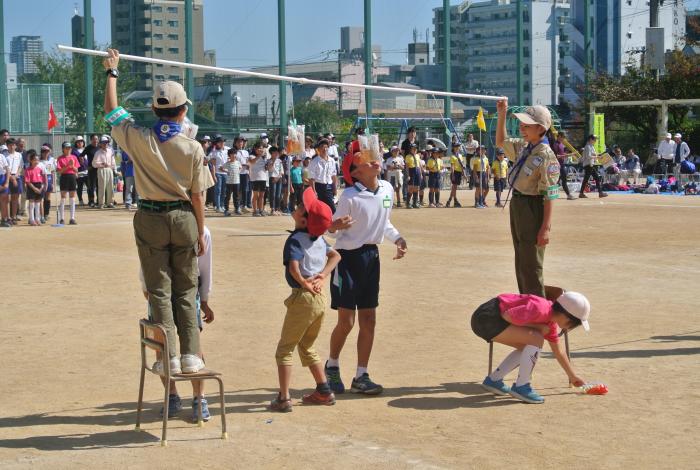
x=301 y=326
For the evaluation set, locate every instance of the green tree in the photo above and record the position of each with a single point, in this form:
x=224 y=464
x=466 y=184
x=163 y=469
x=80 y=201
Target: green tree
x=679 y=81
x=59 y=68
x=318 y=116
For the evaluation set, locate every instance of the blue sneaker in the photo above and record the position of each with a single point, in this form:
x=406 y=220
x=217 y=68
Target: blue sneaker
x=334 y=381
x=174 y=406
x=497 y=387
x=365 y=386
x=195 y=410
x=526 y=393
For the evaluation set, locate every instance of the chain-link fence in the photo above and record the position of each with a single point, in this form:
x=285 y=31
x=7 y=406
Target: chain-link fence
x=28 y=107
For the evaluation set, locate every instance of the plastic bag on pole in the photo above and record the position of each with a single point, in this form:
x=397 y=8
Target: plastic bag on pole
x=189 y=128
x=369 y=148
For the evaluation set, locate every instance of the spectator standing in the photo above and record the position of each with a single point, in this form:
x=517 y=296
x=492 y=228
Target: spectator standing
x=395 y=165
x=105 y=164
x=67 y=166
x=682 y=152
x=4 y=192
x=48 y=165
x=14 y=168
x=297 y=183
x=456 y=172
x=589 y=168
x=323 y=174
x=276 y=175
x=500 y=174
x=559 y=149
x=78 y=151
x=131 y=195
x=89 y=155
x=233 y=182
x=258 y=178
x=667 y=154
x=219 y=156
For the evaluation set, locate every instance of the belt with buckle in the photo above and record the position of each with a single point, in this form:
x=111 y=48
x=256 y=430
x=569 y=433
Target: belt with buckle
x=163 y=206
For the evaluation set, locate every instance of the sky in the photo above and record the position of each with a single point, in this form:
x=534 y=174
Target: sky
x=244 y=32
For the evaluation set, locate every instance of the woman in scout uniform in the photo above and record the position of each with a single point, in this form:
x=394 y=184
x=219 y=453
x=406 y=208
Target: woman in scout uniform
x=434 y=177
x=456 y=173
x=414 y=176
x=533 y=180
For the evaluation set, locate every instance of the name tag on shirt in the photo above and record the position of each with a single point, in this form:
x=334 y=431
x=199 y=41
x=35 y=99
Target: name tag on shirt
x=386 y=202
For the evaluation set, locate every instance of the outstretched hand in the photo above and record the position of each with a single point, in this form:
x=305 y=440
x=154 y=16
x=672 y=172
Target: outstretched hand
x=341 y=223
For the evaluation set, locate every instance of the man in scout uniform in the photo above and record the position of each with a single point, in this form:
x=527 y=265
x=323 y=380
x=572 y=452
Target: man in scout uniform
x=169 y=225
x=456 y=173
x=533 y=179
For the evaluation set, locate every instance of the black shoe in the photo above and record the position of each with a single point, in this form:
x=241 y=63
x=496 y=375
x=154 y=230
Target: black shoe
x=365 y=386
x=457 y=204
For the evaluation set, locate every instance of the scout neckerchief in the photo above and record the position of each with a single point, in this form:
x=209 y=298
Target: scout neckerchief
x=166 y=130
x=519 y=166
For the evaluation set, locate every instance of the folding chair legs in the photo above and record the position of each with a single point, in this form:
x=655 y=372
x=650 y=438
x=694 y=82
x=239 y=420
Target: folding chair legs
x=164 y=438
x=224 y=434
x=140 y=402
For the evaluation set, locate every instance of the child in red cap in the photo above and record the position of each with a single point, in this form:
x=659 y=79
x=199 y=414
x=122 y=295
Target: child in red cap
x=355 y=284
x=308 y=260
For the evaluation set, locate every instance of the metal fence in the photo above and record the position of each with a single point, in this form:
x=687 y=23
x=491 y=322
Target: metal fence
x=28 y=107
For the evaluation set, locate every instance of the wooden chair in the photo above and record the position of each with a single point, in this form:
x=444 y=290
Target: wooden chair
x=146 y=326
x=551 y=293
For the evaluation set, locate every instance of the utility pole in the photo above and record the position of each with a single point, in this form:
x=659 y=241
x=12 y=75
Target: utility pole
x=654 y=13
x=588 y=66
x=447 y=101
x=368 y=58
x=3 y=73
x=519 y=51
x=89 y=99
x=282 y=65
x=189 y=74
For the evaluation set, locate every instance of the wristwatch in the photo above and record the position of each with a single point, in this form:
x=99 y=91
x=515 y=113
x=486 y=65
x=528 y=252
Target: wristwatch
x=113 y=72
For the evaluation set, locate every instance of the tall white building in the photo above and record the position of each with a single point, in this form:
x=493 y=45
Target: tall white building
x=618 y=37
x=484 y=47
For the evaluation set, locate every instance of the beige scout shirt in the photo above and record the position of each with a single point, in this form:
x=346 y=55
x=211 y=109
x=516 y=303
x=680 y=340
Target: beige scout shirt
x=168 y=171
x=539 y=174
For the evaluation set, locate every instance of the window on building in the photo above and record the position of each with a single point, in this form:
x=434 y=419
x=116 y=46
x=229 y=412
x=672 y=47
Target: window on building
x=122 y=14
x=173 y=23
x=526 y=34
x=173 y=77
x=157 y=22
x=157 y=36
x=156 y=8
x=174 y=50
x=158 y=50
x=219 y=109
x=146 y=48
x=173 y=37
x=159 y=66
x=146 y=34
x=159 y=77
x=526 y=51
x=253 y=110
x=172 y=9
x=421 y=61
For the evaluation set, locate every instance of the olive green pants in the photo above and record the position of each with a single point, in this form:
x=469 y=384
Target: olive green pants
x=167 y=246
x=526 y=215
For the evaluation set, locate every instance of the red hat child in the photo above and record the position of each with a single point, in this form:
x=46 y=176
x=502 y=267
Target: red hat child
x=348 y=164
x=319 y=216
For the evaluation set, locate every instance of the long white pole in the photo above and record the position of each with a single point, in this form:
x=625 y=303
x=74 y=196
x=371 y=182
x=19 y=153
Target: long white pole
x=269 y=76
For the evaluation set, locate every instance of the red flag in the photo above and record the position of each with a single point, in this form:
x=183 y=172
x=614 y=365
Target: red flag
x=53 y=120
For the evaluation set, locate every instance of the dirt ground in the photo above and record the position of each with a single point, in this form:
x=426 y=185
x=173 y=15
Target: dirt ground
x=70 y=354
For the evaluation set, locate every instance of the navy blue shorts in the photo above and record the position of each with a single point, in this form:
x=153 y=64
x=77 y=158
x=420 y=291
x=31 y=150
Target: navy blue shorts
x=484 y=183
x=499 y=184
x=355 y=281
x=457 y=178
x=3 y=179
x=434 y=180
x=414 y=177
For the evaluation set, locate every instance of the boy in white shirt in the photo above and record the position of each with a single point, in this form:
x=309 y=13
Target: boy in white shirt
x=14 y=167
x=394 y=166
x=355 y=281
x=4 y=193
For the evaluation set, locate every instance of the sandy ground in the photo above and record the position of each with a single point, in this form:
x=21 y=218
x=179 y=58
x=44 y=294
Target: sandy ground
x=68 y=331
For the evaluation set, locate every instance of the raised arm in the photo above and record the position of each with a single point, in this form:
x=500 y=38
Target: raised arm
x=111 y=62
x=501 y=134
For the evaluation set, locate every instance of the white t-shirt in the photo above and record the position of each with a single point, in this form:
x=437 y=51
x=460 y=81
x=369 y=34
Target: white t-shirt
x=243 y=156
x=277 y=169
x=220 y=158
x=258 y=170
x=322 y=171
x=399 y=162
x=14 y=162
x=48 y=165
x=333 y=151
x=471 y=147
x=370 y=212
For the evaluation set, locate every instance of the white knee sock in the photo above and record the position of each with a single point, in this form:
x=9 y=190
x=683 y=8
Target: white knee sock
x=37 y=210
x=31 y=212
x=528 y=359
x=72 y=208
x=511 y=361
x=61 y=207
x=333 y=362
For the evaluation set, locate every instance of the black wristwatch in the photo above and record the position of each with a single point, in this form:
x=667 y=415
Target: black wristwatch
x=113 y=72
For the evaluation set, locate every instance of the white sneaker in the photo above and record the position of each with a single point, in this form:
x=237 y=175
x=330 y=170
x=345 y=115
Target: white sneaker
x=175 y=368
x=191 y=363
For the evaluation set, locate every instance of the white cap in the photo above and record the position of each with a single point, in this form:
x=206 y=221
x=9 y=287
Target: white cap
x=668 y=135
x=105 y=138
x=577 y=305
x=79 y=137
x=429 y=148
x=678 y=135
